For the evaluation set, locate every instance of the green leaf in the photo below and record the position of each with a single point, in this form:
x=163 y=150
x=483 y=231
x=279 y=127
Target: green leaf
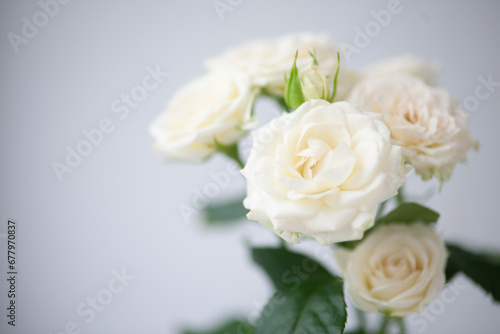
x=350 y=244
x=314 y=307
x=483 y=269
x=230 y=327
x=309 y=299
x=287 y=269
x=293 y=89
x=409 y=213
x=223 y=213
x=313 y=56
x=490 y=256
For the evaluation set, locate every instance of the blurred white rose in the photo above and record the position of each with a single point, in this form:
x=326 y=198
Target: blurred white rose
x=268 y=61
x=397 y=269
x=321 y=171
x=424 y=120
x=217 y=106
x=405 y=65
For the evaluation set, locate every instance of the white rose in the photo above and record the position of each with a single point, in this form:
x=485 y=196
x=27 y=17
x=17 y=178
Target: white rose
x=313 y=83
x=405 y=65
x=320 y=171
x=397 y=269
x=424 y=120
x=217 y=106
x=268 y=61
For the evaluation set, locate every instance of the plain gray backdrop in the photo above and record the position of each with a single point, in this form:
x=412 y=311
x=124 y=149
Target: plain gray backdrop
x=118 y=210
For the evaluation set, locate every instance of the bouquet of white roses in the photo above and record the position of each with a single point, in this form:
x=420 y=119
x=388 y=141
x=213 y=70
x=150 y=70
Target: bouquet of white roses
x=325 y=169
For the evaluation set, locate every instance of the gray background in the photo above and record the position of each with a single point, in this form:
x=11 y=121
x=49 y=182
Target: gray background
x=119 y=207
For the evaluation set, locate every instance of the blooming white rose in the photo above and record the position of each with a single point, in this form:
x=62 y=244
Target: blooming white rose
x=405 y=65
x=217 y=106
x=397 y=269
x=321 y=171
x=424 y=120
x=268 y=61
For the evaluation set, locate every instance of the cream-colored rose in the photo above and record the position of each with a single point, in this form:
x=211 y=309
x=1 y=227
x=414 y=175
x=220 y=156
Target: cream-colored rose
x=216 y=106
x=398 y=269
x=268 y=61
x=405 y=65
x=313 y=83
x=321 y=171
x=424 y=120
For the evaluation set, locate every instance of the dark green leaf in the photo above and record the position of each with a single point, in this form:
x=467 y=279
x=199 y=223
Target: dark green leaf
x=482 y=269
x=409 y=213
x=349 y=244
x=224 y=213
x=231 y=327
x=314 y=307
x=293 y=89
x=405 y=213
x=309 y=299
x=287 y=269
x=490 y=256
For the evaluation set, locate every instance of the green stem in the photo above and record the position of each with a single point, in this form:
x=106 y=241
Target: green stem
x=361 y=319
x=400 y=197
x=280 y=100
x=380 y=210
x=283 y=243
x=230 y=151
x=236 y=158
x=282 y=103
x=384 y=325
x=401 y=324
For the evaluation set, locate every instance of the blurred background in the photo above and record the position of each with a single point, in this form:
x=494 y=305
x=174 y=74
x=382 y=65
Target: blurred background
x=104 y=248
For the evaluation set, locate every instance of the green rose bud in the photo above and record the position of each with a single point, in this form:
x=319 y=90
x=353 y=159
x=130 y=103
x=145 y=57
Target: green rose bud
x=313 y=82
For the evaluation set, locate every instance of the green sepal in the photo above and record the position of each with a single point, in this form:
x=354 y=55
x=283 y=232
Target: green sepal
x=313 y=56
x=293 y=89
x=231 y=151
x=334 y=92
